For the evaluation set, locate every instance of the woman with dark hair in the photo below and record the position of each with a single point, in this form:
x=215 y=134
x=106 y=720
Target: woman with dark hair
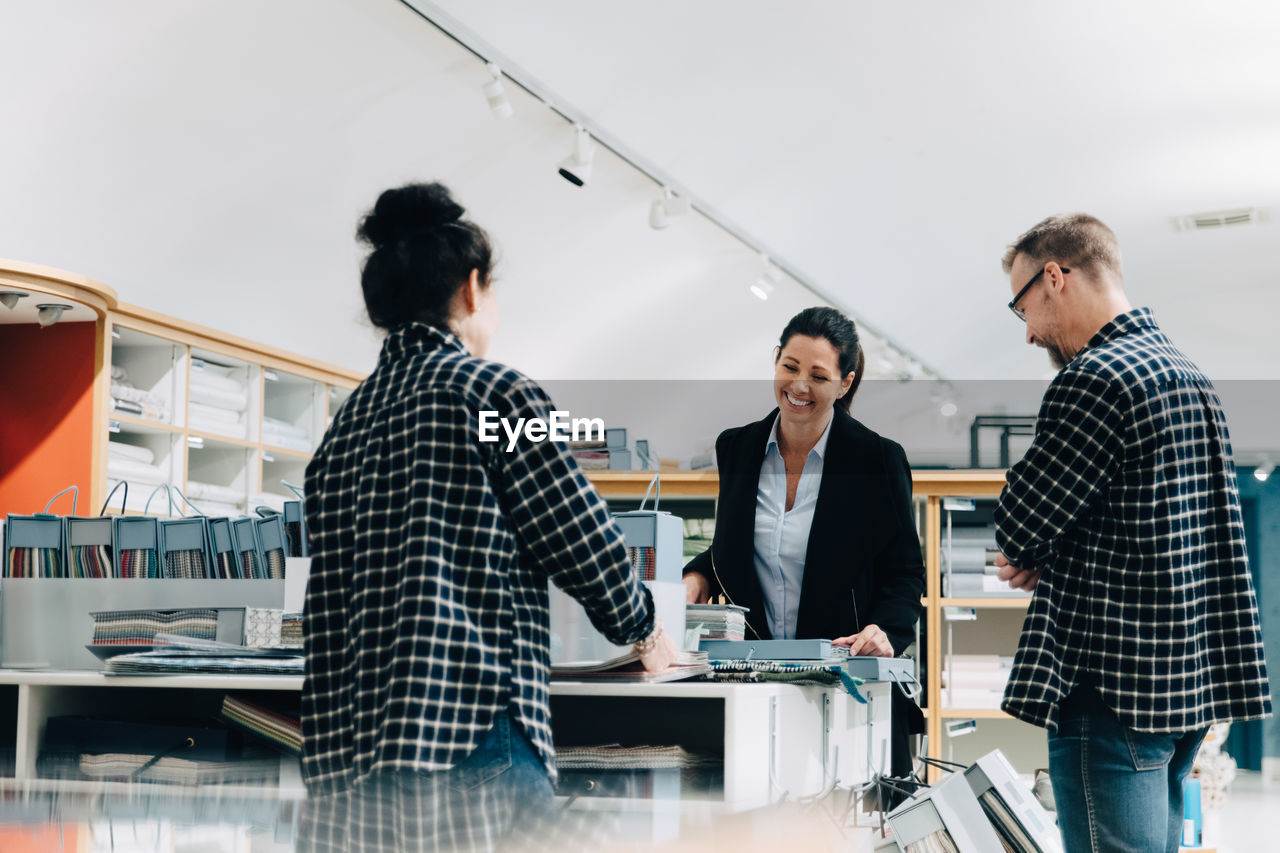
x=814 y=530
x=426 y=624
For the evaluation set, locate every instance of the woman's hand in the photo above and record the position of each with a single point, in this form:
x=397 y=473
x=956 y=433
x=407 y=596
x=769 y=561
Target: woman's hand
x=869 y=641
x=696 y=588
x=657 y=652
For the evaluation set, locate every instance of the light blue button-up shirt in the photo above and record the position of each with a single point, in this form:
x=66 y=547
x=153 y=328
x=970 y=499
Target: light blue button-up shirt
x=782 y=537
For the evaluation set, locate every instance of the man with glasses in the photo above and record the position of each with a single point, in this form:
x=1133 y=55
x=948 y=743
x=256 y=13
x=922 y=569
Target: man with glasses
x=1124 y=518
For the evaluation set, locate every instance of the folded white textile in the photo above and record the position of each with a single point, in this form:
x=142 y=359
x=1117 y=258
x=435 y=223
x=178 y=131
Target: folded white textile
x=211 y=492
x=289 y=442
x=211 y=377
x=140 y=410
x=237 y=401
x=119 y=468
x=219 y=427
x=284 y=428
x=119 y=374
x=216 y=414
x=121 y=391
x=130 y=451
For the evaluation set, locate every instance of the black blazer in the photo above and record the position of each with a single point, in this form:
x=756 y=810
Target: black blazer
x=863 y=566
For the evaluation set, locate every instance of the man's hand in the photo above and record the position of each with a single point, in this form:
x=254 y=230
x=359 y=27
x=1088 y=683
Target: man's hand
x=1025 y=579
x=696 y=588
x=869 y=641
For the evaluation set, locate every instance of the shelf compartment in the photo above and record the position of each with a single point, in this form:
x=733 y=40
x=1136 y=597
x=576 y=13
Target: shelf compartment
x=336 y=397
x=225 y=396
x=156 y=370
x=293 y=411
x=220 y=477
x=1023 y=744
x=146 y=452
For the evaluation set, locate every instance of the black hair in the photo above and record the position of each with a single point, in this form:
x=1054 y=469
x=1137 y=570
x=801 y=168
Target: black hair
x=839 y=331
x=423 y=251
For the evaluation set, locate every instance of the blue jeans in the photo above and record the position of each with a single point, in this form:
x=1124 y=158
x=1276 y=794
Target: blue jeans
x=487 y=801
x=1117 y=789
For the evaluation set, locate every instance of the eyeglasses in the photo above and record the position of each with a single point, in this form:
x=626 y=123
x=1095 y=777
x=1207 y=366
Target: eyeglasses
x=1021 y=313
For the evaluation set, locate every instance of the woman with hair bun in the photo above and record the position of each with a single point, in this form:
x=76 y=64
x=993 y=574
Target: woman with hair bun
x=814 y=529
x=425 y=710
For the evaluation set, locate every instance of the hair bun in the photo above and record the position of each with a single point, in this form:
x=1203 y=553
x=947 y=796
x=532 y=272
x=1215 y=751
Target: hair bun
x=409 y=210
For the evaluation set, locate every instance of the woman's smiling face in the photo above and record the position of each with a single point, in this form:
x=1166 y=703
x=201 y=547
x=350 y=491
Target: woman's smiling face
x=807 y=380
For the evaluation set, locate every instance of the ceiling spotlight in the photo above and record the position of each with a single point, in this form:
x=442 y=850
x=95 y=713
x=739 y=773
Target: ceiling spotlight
x=664 y=208
x=50 y=313
x=948 y=409
x=1264 y=469
x=768 y=280
x=9 y=298
x=493 y=91
x=576 y=168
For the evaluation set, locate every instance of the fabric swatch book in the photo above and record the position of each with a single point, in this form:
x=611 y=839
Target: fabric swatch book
x=628 y=668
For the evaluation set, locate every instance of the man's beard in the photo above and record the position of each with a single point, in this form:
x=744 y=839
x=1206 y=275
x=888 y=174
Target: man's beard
x=1057 y=356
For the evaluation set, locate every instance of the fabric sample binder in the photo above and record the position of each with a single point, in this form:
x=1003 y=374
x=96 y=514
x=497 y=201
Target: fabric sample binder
x=33 y=546
x=817 y=650
x=1023 y=824
x=184 y=548
x=245 y=534
x=222 y=542
x=271 y=545
x=870 y=668
x=137 y=547
x=89 y=546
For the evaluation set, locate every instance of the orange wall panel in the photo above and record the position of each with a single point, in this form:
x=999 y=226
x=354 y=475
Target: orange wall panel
x=46 y=414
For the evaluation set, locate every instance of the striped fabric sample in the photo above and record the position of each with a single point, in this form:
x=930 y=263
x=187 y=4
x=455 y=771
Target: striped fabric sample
x=291 y=629
x=643 y=561
x=35 y=563
x=139 y=627
x=185 y=564
x=281 y=730
x=616 y=757
x=90 y=561
x=139 y=563
x=275 y=564
x=249 y=559
x=293 y=537
x=178 y=770
x=226 y=565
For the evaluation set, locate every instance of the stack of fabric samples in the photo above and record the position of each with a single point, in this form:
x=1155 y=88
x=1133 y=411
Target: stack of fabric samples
x=713 y=622
x=140 y=627
x=273 y=725
x=291 y=629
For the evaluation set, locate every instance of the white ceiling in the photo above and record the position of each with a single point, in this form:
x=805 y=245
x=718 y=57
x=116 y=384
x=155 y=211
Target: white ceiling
x=209 y=160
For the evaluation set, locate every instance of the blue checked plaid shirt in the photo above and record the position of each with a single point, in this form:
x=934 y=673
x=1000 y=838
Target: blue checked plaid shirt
x=427 y=603
x=1127 y=503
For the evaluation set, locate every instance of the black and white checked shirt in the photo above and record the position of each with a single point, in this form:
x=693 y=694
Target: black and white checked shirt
x=427 y=604
x=1127 y=503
